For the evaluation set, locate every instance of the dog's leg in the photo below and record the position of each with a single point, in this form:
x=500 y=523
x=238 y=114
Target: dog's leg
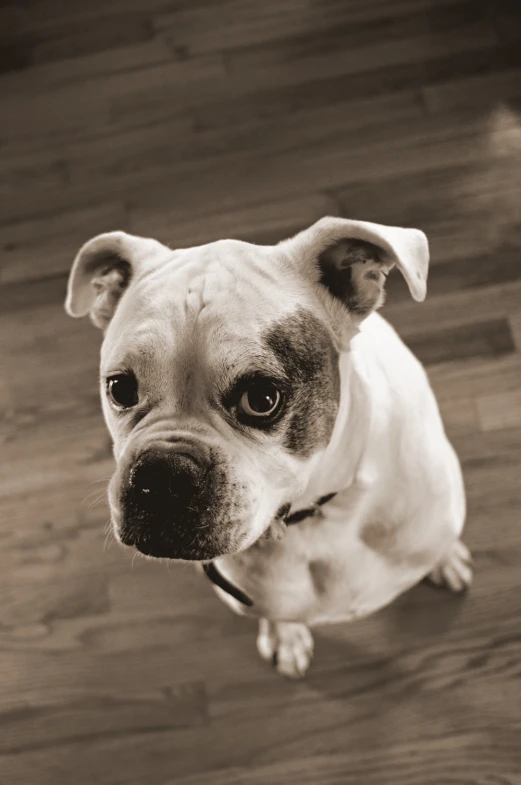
x=454 y=570
x=288 y=645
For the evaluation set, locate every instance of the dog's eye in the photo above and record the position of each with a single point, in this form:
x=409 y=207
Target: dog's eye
x=261 y=399
x=122 y=390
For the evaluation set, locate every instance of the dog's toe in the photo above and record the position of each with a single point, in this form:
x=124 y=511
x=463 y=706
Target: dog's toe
x=288 y=645
x=293 y=659
x=266 y=641
x=454 y=570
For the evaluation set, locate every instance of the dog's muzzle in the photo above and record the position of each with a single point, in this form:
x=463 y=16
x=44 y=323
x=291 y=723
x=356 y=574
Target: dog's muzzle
x=169 y=504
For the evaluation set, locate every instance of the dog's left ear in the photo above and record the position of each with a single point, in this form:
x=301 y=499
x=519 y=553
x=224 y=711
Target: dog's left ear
x=351 y=260
x=103 y=269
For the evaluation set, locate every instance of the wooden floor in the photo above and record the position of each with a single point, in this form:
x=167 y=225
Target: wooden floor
x=194 y=120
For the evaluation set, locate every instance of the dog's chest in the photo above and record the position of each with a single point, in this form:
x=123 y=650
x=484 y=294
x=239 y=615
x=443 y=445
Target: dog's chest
x=324 y=570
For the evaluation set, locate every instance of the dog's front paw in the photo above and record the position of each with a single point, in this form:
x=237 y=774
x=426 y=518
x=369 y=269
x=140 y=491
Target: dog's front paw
x=288 y=645
x=454 y=570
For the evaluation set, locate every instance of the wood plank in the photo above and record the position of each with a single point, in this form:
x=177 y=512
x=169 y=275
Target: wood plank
x=455 y=307
x=476 y=377
x=67 y=597
x=47 y=245
x=327 y=165
x=20 y=295
x=93 y=109
x=85 y=38
x=506 y=20
x=502 y=410
x=328 y=770
x=467 y=341
x=238 y=22
x=50 y=75
x=184 y=173
x=500 y=267
x=515 y=326
x=102 y=716
x=294 y=712
x=467 y=211
x=473 y=91
x=270 y=225
x=40 y=531
x=266 y=223
x=459 y=416
x=350 y=31
x=76 y=452
x=44 y=15
x=323 y=81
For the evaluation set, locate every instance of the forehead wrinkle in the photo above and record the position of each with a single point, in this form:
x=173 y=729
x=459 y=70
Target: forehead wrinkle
x=141 y=353
x=227 y=274
x=189 y=374
x=232 y=266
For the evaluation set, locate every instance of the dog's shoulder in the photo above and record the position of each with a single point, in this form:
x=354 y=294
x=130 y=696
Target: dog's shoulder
x=385 y=359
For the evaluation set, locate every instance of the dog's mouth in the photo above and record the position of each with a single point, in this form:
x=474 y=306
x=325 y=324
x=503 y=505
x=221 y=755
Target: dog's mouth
x=172 y=539
x=174 y=543
x=162 y=550
x=194 y=544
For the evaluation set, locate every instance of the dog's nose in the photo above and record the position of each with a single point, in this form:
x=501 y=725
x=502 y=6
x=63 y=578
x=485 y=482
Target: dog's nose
x=174 y=502
x=163 y=481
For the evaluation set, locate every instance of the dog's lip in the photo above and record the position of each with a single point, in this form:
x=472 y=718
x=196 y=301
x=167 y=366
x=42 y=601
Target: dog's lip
x=166 y=550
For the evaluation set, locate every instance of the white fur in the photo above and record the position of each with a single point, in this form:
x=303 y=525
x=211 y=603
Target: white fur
x=400 y=503
x=395 y=468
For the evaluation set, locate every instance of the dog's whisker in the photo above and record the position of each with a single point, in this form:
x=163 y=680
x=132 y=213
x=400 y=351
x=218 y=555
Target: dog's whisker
x=109 y=539
x=97 y=501
x=96 y=492
x=95 y=482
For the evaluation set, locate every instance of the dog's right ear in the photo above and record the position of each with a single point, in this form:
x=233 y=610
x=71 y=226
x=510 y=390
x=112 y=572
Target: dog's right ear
x=102 y=270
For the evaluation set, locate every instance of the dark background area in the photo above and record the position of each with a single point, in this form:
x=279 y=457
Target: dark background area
x=191 y=121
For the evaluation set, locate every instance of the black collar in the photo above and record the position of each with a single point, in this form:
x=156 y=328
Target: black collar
x=218 y=578
x=309 y=512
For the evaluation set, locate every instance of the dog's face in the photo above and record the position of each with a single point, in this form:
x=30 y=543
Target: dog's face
x=219 y=372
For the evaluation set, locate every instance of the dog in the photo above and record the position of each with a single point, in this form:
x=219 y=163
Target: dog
x=269 y=424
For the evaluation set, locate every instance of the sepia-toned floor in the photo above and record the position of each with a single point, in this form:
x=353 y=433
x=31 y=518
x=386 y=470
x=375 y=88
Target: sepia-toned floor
x=196 y=120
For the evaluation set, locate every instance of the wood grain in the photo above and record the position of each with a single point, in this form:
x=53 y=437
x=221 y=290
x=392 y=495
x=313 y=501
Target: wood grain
x=192 y=121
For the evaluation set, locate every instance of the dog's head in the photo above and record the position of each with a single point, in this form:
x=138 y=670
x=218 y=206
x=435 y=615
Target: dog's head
x=219 y=371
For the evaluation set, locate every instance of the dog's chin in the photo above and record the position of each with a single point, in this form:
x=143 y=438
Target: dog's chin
x=165 y=550
x=185 y=547
x=189 y=548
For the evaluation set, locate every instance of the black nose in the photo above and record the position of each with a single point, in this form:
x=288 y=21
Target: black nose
x=164 y=482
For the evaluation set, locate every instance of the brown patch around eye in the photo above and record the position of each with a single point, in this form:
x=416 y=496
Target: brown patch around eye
x=303 y=347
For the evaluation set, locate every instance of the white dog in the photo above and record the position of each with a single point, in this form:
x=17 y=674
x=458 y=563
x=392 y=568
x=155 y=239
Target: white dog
x=268 y=424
